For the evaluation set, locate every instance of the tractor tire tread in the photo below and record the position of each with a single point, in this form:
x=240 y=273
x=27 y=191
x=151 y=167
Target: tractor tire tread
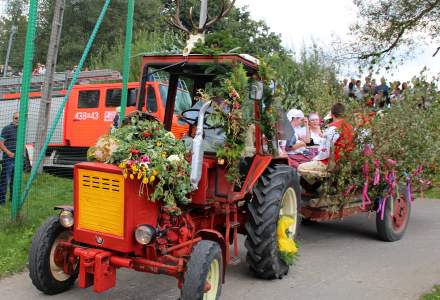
x=197 y=269
x=261 y=243
x=38 y=259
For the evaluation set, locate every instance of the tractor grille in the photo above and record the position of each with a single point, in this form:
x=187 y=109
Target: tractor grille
x=101 y=202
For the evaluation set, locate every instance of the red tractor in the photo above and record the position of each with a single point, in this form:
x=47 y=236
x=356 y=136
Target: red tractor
x=111 y=225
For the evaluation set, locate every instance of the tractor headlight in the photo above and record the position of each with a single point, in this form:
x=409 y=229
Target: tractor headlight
x=144 y=234
x=66 y=218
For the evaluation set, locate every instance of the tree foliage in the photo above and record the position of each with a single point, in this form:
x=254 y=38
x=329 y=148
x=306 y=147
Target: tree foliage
x=308 y=82
x=143 y=42
x=385 y=27
x=80 y=17
x=15 y=16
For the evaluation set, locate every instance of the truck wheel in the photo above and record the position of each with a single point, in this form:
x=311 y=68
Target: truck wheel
x=46 y=260
x=276 y=194
x=204 y=273
x=392 y=228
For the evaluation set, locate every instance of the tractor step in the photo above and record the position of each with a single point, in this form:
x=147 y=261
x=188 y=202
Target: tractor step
x=235 y=260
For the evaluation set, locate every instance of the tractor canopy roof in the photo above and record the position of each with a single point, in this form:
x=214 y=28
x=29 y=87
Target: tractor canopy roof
x=196 y=65
x=196 y=70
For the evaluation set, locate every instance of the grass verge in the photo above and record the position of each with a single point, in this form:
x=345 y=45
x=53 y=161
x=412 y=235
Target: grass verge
x=15 y=237
x=434 y=295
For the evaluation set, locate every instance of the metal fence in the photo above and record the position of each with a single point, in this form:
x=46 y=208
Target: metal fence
x=61 y=80
x=54 y=185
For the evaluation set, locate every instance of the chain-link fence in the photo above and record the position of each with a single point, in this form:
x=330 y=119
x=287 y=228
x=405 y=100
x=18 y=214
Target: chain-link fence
x=67 y=146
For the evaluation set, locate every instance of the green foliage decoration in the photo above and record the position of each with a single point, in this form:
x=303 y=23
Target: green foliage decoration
x=271 y=103
x=231 y=117
x=407 y=134
x=152 y=155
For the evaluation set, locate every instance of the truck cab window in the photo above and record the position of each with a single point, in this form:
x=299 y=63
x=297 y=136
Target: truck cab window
x=183 y=99
x=151 y=100
x=132 y=95
x=113 y=97
x=88 y=99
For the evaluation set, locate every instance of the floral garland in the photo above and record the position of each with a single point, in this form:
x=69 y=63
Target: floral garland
x=271 y=104
x=235 y=115
x=232 y=117
x=149 y=153
x=286 y=245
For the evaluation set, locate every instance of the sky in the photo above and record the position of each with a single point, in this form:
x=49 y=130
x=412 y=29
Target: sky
x=300 y=22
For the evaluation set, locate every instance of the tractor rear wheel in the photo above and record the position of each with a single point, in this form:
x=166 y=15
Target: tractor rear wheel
x=204 y=273
x=46 y=259
x=276 y=194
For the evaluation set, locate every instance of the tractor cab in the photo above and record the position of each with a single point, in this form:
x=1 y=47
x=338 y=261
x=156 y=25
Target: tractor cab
x=201 y=72
x=196 y=70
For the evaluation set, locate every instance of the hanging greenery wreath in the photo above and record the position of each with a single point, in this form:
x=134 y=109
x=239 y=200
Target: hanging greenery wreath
x=152 y=155
x=232 y=118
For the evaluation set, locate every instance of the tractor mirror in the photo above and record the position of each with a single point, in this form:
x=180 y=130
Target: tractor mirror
x=256 y=90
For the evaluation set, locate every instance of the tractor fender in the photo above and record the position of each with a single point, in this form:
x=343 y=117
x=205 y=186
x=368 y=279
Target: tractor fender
x=259 y=165
x=215 y=236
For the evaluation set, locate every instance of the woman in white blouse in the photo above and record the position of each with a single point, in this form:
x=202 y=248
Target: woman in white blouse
x=316 y=135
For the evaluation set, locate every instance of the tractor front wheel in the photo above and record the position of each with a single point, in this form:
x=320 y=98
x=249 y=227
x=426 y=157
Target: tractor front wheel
x=47 y=257
x=276 y=194
x=204 y=273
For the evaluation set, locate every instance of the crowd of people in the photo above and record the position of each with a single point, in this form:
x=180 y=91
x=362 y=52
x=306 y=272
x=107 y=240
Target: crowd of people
x=40 y=69
x=376 y=94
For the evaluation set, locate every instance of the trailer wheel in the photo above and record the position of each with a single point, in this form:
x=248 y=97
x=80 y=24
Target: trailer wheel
x=204 y=273
x=276 y=194
x=46 y=259
x=393 y=227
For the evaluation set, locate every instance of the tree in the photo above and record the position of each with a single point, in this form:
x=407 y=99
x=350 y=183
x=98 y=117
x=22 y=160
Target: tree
x=237 y=30
x=309 y=82
x=15 y=16
x=386 y=28
x=79 y=19
x=143 y=42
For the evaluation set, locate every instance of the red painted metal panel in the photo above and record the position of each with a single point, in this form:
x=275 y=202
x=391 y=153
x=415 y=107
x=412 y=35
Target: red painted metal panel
x=138 y=210
x=316 y=214
x=200 y=196
x=259 y=165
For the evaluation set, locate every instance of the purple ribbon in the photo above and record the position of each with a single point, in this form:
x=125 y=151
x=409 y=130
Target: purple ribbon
x=376 y=172
x=381 y=209
x=390 y=179
x=409 y=194
x=365 y=198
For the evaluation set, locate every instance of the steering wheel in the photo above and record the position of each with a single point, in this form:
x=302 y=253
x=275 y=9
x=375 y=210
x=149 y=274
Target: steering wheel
x=193 y=121
x=188 y=120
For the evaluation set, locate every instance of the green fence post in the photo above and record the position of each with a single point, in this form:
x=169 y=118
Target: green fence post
x=61 y=109
x=24 y=98
x=127 y=54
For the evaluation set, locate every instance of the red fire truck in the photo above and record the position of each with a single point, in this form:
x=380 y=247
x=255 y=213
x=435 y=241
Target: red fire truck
x=88 y=114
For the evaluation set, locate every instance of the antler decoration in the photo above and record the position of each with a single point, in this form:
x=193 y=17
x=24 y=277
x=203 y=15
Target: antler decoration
x=197 y=33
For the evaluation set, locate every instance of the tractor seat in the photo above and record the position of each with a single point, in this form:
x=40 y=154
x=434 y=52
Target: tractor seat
x=315 y=169
x=314 y=173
